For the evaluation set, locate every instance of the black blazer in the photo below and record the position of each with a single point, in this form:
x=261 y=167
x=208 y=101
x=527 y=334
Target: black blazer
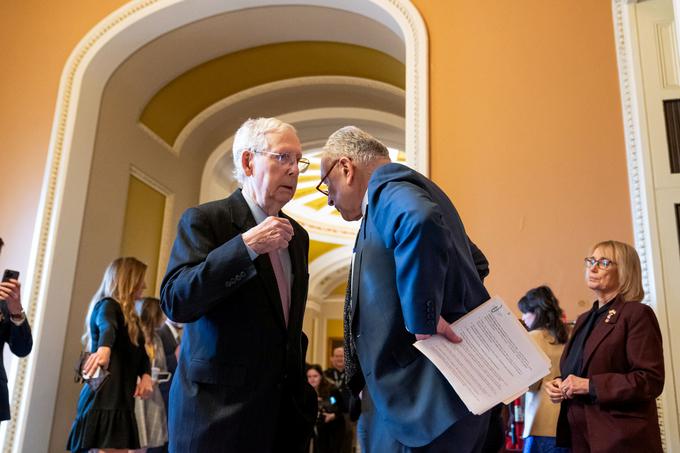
x=240 y=383
x=20 y=343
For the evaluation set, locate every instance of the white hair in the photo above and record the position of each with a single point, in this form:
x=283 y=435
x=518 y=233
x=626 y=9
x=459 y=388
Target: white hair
x=252 y=136
x=356 y=144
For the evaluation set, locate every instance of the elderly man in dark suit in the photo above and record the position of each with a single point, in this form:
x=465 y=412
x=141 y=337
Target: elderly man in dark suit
x=413 y=273
x=237 y=279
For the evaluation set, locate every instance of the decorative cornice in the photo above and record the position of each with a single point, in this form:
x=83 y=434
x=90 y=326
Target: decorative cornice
x=55 y=165
x=635 y=160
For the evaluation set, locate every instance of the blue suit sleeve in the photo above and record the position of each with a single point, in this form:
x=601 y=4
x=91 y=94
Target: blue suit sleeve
x=412 y=224
x=202 y=273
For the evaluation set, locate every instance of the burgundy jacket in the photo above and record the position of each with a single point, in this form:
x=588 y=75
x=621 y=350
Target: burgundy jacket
x=623 y=358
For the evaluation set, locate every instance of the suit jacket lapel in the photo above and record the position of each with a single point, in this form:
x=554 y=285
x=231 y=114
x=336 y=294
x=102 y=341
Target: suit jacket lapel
x=243 y=220
x=602 y=328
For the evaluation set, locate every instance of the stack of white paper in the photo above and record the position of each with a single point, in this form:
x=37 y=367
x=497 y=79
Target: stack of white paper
x=496 y=362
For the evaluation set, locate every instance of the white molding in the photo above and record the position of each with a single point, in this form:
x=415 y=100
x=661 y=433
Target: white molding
x=167 y=227
x=642 y=198
x=328 y=271
x=61 y=210
x=269 y=88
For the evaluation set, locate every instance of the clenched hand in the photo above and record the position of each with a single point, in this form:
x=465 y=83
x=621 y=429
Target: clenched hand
x=274 y=233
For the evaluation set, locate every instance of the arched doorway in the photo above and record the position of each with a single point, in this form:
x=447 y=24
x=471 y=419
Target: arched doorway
x=59 y=233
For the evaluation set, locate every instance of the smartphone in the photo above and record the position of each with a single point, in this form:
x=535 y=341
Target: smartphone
x=9 y=275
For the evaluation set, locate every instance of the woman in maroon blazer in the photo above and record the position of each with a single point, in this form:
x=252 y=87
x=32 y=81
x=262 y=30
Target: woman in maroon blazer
x=612 y=368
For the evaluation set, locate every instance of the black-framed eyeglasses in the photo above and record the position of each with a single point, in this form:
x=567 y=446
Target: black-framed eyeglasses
x=602 y=263
x=288 y=159
x=322 y=186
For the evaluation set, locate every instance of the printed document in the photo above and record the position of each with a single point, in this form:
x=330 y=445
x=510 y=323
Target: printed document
x=496 y=362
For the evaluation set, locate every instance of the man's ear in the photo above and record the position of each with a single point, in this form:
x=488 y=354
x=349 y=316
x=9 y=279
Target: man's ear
x=247 y=162
x=348 y=170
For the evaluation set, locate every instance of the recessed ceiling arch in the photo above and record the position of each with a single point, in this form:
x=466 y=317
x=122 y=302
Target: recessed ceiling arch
x=280 y=97
x=169 y=111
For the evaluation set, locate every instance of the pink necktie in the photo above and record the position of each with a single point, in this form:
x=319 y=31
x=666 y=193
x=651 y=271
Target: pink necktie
x=282 y=282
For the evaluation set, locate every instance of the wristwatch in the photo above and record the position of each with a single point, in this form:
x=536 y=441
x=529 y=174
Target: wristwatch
x=18 y=317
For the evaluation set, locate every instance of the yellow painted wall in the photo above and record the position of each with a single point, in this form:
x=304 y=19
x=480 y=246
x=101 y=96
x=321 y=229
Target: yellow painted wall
x=142 y=229
x=527 y=137
x=525 y=118
x=202 y=86
x=334 y=329
x=37 y=38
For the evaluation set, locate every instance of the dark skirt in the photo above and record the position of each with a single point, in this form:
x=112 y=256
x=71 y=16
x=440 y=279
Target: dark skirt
x=99 y=427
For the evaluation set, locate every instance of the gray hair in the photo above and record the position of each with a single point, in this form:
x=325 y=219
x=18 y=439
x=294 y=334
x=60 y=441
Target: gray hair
x=356 y=144
x=252 y=136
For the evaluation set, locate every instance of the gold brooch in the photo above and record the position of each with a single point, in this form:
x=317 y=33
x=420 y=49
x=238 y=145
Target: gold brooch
x=610 y=313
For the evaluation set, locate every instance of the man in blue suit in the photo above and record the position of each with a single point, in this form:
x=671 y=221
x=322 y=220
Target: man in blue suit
x=237 y=279
x=413 y=273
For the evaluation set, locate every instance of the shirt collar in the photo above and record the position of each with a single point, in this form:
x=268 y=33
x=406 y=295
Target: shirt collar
x=258 y=213
x=364 y=203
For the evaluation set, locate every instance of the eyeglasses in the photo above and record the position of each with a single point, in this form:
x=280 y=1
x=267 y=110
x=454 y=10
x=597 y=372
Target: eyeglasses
x=602 y=263
x=322 y=186
x=288 y=159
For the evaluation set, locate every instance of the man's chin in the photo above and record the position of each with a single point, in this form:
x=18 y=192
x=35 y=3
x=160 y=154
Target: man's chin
x=284 y=197
x=350 y=217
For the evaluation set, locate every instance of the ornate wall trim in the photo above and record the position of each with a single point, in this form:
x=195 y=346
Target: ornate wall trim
x=641 y=188
x=57 y=234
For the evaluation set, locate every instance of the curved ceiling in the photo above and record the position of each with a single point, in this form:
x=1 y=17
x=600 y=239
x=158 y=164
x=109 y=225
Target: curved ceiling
x=194 y=86
x=177 y=103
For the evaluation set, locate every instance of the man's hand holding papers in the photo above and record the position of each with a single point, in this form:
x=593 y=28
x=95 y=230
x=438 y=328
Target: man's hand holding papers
x=494 y=361
x=443 y=328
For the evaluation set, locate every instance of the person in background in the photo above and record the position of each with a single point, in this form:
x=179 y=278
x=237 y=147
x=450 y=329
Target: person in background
x=542 y=315
x=336 y=376
x=152 y=420
x=105 y=418
x=336 y=373
x=612 y=369
x=14 y=331
x=170 y=334
x=330 y=425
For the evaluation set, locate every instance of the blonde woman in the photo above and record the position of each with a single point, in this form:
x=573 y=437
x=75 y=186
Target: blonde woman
x=612 y=368
x=105 y=419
